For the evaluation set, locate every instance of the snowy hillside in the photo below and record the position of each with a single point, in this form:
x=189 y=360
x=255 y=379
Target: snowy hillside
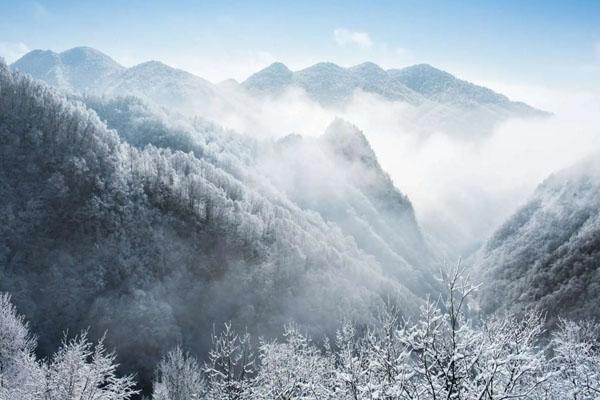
x=168 y=225
x=339 y=176
x=547 y=254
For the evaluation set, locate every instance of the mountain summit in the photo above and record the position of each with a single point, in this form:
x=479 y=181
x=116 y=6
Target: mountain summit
x=79 y=69
x=328 y=83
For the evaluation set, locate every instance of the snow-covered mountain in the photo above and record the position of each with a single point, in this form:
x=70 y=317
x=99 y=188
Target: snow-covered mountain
x=438 y=100
x=338 y=176
x=89 y=71
x=548 y=253
x=117 y=218
x=81 y=69
x=166 y=86
x=330 y=84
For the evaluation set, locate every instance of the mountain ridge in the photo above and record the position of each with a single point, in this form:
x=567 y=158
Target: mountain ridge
x=417 y=81
x=414 y=84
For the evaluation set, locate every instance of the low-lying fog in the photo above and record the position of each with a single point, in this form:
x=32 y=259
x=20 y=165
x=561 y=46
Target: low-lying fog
x=461 y=187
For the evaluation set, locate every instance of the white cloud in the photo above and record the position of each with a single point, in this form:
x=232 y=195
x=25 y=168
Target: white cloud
x=12 y=51
x=344 y=37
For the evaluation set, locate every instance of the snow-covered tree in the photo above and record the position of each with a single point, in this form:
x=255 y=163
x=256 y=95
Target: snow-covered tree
x=455 y=356
x=179 y=377
x=230 y=365
x=21 y=376
x=81 y=370
x=575 y=362
x=293 y=369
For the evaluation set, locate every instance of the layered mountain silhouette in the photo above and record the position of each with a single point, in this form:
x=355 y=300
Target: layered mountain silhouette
x=329 y=83
x=152 y=229
x=437 y=99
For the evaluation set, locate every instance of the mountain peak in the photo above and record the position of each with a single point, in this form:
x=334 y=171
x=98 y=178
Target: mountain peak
x=368 y=66
x=87 y=58
x=84 y=51
x=79 y=68
x=323 y=67
x=348 y=141
x=152 y=64
x=370 y=73
x=424 y=67
x=277 y=67
x=37 y=56
x=424 y=71
x=274 y=78
x=158 y=68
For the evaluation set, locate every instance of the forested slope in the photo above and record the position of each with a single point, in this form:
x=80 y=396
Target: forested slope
x=547 y=254
x=155 y=245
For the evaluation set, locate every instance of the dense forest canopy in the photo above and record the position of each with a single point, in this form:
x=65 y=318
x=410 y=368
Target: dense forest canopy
x=166 y=235
x=547 y=254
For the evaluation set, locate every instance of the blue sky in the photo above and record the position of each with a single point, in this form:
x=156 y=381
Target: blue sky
x=550 y=43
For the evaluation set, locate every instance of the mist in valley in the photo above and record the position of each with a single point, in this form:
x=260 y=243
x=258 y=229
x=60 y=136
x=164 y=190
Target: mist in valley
x=348 y=229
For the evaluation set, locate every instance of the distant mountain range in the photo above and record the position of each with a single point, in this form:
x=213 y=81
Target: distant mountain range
x=438 y=100
x=418 y=84
x=547 y=255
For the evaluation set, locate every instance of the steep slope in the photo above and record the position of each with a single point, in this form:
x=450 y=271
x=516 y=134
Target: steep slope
x=338 y=176
x=155 y=245
x=548 y=254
